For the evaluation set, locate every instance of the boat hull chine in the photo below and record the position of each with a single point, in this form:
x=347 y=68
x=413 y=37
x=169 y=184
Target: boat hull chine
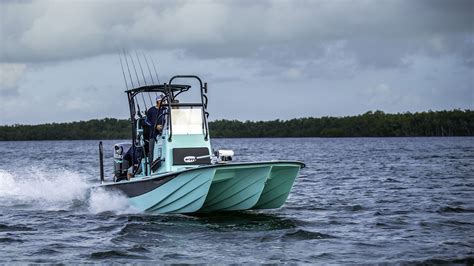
x=185 y=194
x=176 y=193
x=278 y=186
x=236 y=188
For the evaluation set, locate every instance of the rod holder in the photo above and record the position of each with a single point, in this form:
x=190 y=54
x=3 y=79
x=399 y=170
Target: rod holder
x=101 y=162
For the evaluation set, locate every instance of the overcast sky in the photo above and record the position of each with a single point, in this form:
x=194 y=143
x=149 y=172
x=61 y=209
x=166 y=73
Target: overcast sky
x=262 y=59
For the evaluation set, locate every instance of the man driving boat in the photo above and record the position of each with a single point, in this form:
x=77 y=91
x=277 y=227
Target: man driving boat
x=155 y=118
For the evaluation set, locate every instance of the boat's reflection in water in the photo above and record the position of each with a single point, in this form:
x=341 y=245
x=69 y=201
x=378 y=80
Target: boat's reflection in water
x=244 y=220
x=222 y=221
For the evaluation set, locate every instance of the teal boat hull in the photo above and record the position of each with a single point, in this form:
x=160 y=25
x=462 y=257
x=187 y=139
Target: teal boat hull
x=170 y=193
x=236 y=188
x=213 y=188
x=277 y=187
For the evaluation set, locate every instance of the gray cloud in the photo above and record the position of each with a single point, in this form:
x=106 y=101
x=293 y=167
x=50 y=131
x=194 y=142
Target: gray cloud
x=376 y=33
x=328 y=57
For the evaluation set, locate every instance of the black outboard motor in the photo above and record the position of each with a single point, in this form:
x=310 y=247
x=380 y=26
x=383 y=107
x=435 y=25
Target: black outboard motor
x=122 y=160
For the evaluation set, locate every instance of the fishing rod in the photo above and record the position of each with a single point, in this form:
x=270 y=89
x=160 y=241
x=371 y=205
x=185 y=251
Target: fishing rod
x=123 y=71
x=138 y=80
x=149 y=71
x=141 y=69
x=144 y=102
x=148 y=66
x=131 y=79
x=135 y=69
x=144 y=79
x=128 y=68
x=156 y=73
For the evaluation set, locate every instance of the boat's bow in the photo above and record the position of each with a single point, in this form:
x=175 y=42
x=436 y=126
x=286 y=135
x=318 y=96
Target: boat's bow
x=257 y=185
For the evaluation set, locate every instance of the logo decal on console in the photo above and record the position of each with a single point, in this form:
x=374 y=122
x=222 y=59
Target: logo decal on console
x=189 y=159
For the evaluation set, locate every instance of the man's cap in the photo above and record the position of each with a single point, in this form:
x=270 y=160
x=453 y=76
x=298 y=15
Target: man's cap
x=160 y=97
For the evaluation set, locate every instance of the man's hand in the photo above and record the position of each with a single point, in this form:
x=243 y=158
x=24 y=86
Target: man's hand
x=159 y=127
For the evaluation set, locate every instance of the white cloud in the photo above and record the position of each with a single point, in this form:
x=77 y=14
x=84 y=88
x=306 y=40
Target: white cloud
x=293 y=73
x=437 y=42
x=382 y=94
x=10 y=76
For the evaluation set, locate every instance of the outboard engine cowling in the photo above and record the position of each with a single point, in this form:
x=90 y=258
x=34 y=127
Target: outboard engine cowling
x=224 y=155
x=122 y=160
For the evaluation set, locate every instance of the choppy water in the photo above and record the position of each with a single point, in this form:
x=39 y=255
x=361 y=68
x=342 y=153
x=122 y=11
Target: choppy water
x=360 y=200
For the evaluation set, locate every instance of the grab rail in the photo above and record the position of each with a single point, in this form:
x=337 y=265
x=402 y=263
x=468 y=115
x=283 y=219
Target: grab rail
x=204 y=101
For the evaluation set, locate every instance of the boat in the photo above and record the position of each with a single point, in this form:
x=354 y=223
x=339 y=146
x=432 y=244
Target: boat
x=177 y=171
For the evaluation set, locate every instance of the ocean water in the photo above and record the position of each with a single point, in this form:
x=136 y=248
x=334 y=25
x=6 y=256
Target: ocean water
x=359 y=200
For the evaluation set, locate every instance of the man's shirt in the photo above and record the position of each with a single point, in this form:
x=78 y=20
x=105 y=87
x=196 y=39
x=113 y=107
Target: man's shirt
x=154 y=117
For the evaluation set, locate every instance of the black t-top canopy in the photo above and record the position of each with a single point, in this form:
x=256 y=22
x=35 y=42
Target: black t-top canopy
x=158 y=88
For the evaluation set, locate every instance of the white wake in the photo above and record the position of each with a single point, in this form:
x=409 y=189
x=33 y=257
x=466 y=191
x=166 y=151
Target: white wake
x=57 y=189
x=108 y=201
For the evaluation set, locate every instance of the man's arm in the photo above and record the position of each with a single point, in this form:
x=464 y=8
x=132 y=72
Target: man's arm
x=160 y=118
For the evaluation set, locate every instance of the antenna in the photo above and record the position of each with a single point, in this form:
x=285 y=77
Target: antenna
x=151 y=59
x=144 y=79
x=123 y=72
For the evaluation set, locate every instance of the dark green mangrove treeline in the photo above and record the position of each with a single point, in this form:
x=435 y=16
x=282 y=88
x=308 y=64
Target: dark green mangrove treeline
x=108 y=128
x=370 y=124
